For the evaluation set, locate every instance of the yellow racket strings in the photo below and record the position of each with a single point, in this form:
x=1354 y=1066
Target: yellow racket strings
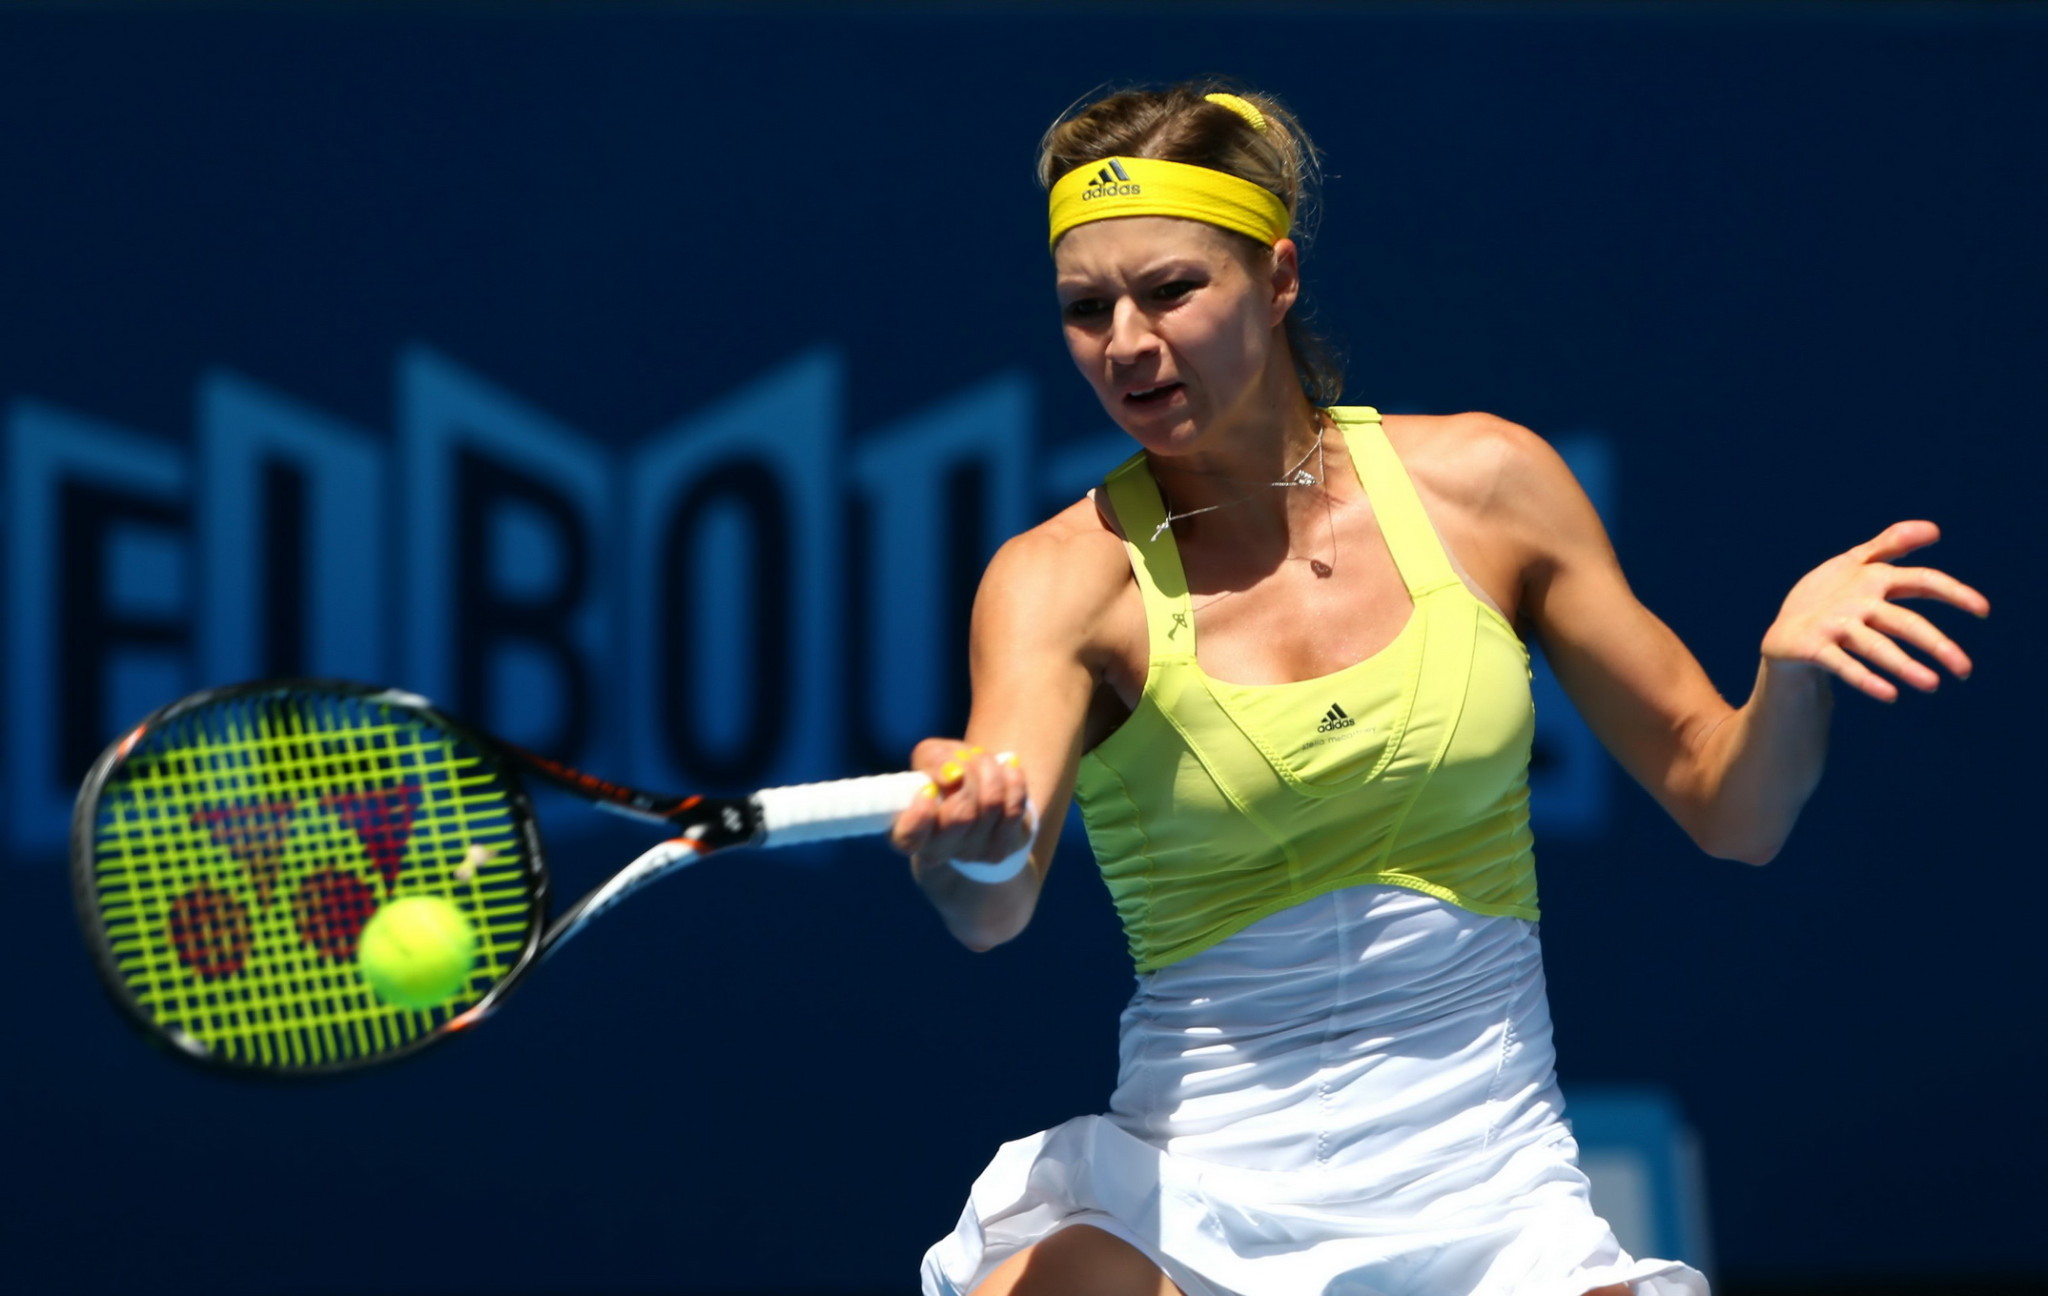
x=241 y=848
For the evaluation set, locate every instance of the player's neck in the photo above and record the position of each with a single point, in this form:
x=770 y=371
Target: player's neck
x=1258 y=480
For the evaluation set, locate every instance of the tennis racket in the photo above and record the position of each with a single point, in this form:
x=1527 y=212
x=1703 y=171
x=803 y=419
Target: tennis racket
x=227 y=852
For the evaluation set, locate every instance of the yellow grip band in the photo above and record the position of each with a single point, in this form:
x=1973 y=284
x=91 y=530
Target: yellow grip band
x=1123 y=186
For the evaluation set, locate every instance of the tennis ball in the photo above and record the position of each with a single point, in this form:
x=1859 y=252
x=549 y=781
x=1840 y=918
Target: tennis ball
x=416 y=951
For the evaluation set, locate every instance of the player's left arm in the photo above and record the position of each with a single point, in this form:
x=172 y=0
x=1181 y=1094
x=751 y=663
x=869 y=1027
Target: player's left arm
x=1735 y=778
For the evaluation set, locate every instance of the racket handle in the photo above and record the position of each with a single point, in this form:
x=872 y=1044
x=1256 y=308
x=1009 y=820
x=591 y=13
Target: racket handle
x=855 y=807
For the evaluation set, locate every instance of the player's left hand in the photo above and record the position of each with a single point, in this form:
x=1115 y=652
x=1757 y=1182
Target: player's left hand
x=1841 y=616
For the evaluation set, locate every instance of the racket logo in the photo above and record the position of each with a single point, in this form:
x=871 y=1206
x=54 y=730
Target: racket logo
x=211 y=928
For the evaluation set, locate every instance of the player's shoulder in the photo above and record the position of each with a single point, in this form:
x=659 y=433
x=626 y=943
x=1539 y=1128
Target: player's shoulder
x=1475 y=459
x=1070 y=565
x=1464 y=444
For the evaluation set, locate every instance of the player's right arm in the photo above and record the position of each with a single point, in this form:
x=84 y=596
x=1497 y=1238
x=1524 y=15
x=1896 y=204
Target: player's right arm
x=1035 y=661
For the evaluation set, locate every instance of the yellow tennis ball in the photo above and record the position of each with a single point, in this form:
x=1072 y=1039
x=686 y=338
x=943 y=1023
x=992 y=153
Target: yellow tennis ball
x=416 y=951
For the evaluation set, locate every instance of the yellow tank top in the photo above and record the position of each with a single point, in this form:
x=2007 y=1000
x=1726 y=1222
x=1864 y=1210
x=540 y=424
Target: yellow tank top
x=1216 y=804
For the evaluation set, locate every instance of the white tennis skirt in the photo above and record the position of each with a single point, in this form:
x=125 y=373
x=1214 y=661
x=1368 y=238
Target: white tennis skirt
x=1354 y=1097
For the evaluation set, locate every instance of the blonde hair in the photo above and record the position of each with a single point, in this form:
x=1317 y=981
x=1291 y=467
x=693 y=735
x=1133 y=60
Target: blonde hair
x=1180 y=125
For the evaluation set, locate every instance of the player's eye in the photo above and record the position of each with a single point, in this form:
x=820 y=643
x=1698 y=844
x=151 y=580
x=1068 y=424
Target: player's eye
x=1084 y=308
x=1176 y=289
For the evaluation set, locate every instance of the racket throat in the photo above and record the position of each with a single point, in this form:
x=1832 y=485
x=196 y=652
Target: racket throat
x=655 y=862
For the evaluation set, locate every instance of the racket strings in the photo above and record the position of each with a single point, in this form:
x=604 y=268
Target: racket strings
x=242 y=847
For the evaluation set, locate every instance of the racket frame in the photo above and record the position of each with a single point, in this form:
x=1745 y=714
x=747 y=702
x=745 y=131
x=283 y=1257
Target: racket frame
x=504 y=762
x=701 y=825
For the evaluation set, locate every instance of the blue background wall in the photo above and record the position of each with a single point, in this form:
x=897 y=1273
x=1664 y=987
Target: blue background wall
x=457 y=347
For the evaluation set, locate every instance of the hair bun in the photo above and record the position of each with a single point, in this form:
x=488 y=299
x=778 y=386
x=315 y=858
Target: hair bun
x=1242 y=107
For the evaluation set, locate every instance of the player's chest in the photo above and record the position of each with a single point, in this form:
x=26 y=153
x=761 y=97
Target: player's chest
x=1300 y=623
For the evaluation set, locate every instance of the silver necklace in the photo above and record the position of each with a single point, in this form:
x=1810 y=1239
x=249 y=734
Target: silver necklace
x=1298 y=475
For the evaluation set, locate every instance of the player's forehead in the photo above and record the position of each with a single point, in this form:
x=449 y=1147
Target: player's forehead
x=1127 y=247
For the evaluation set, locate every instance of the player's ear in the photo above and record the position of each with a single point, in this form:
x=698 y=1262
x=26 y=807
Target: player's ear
x=1284 y=278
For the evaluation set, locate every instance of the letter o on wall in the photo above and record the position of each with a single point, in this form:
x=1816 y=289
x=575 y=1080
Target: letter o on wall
x=688 y=614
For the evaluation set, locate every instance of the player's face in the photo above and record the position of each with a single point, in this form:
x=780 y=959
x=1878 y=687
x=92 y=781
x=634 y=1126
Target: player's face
x=1172 y=324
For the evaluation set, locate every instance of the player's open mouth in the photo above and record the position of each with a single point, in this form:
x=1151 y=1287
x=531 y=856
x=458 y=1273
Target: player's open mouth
x=1152 y=395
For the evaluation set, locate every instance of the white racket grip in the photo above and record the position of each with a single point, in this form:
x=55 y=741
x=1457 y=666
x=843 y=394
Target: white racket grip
x=859 y=807
x=855 y=807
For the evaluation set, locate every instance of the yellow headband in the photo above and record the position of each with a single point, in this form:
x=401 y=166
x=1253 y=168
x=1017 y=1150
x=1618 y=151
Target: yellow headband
x=1124 y=186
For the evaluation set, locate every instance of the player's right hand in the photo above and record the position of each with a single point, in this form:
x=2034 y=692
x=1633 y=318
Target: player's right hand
x=976 y=811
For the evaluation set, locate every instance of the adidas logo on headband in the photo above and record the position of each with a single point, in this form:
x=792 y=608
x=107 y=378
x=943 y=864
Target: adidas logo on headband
x=1111 y=182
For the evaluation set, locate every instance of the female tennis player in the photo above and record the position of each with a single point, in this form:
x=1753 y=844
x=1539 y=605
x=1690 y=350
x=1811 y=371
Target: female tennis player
x=1279 y=658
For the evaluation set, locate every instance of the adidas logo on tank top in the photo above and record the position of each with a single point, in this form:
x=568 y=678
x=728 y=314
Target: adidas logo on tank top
x=1337 y=725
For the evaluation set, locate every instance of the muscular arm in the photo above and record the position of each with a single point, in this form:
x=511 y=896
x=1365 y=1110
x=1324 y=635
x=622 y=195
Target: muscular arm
x=1735 y=778
x=1034 y=669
